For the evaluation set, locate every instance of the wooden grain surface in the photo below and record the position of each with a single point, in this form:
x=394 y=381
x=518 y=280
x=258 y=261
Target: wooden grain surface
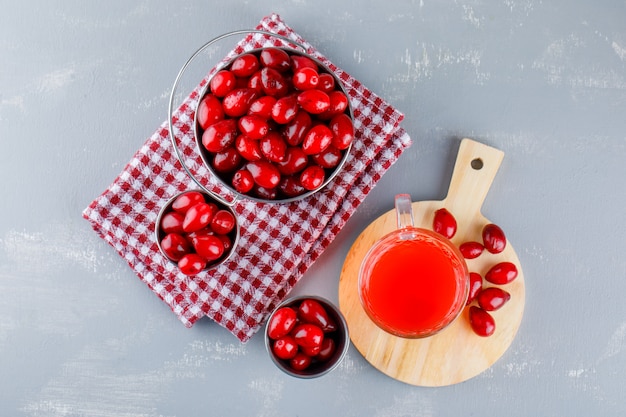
x=456 y=354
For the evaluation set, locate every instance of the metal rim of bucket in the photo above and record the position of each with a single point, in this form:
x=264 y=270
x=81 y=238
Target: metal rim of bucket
x=235 y=195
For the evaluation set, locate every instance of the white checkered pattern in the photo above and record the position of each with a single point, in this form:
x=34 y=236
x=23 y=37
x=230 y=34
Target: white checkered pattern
x=278 y=241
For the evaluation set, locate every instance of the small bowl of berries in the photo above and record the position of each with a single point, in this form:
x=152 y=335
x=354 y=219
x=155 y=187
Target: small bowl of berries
x=196 y=231
x=306 y=336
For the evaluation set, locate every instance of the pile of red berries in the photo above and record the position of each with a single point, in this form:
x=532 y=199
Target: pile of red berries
x=195 y=232
x=481 y=299
x=274 y=124
x=303 y=334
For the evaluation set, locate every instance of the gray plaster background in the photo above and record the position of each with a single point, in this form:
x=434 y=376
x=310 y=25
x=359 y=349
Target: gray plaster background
x=83 y=84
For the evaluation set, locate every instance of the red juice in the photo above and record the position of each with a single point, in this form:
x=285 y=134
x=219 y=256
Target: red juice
x=413 y=287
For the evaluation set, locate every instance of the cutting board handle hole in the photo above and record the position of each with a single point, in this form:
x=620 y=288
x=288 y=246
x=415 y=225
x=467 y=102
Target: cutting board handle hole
x=477 y=164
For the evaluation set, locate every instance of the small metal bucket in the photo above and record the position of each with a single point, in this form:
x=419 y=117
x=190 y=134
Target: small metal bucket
x=233 y=236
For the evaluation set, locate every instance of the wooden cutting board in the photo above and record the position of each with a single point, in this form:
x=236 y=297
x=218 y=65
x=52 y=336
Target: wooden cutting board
x=456 y=354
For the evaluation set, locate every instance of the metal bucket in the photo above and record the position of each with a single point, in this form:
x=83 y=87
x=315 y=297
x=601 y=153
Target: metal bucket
x=231 y=196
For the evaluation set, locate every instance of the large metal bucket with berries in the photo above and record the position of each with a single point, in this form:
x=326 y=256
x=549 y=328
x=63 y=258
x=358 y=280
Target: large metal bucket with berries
x=271 y=124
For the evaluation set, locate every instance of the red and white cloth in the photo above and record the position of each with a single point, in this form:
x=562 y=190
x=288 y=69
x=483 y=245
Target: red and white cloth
x=278 y=242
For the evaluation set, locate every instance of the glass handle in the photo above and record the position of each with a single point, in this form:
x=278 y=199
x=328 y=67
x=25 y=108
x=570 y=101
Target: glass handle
x=404 y=211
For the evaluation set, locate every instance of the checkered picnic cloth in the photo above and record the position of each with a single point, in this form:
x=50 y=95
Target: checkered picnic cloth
x=278 y=242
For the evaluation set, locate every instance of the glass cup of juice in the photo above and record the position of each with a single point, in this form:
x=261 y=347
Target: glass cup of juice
x=413 y=282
